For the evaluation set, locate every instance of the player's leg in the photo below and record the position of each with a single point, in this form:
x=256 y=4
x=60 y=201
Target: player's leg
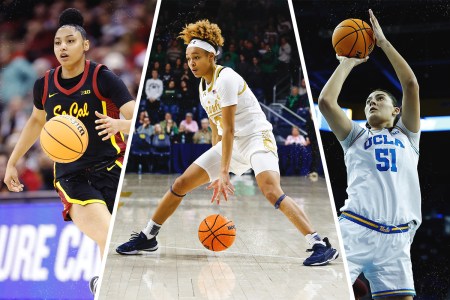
x=86 y=207
x=265 y=165
x=269 y=184
x=93 y=220
x=390 y=275
x=193 y=177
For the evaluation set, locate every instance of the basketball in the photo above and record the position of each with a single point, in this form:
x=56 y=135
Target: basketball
x=64 y=139
x=353 y=38
x=216 y=233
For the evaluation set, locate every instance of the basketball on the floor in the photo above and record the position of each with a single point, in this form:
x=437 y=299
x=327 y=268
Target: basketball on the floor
x=64 y=139
x=217 y=233
x=353 y=38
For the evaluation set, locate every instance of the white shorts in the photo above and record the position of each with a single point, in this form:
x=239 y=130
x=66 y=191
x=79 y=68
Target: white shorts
x=243 y=156
x=383 y=258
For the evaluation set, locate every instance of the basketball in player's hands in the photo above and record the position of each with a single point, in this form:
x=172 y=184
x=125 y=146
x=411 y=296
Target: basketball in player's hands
x=353 y=38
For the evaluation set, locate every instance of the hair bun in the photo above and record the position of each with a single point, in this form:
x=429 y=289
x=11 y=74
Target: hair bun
x=71 y=16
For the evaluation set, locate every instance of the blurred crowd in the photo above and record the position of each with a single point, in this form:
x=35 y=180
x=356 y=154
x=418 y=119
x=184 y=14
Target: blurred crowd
x=118 y=32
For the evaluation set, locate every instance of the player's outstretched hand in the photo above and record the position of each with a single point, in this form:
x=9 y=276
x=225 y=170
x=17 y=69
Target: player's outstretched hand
x=108 y=126
x=353 y=61
x=380 y=39
x=12 y=179
x=221 y=186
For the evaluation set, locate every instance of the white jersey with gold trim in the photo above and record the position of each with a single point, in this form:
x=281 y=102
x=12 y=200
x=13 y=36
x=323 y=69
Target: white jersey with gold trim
x=228 y=88
x=382 y=178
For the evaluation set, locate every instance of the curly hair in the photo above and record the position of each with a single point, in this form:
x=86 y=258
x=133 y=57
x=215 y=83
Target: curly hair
x=203 y=30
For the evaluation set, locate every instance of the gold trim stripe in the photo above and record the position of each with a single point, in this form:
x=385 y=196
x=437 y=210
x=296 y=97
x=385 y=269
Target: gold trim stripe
x=76 y=201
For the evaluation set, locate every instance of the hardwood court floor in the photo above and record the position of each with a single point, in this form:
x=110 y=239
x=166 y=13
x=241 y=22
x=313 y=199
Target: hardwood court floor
x=265 y=261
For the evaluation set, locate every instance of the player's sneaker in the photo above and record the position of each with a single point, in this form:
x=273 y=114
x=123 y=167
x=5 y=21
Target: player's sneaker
x=93 y=284
x=138 y=242
x=321 y=255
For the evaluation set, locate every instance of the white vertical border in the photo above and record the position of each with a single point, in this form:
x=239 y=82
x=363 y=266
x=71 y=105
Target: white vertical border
x=319 y=140
x=127 y=151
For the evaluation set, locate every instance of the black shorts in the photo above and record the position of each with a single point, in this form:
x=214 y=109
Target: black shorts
x=95 y=185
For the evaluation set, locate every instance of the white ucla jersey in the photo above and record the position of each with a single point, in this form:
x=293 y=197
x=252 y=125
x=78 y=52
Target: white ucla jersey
x=228 y=88
x=382 y=178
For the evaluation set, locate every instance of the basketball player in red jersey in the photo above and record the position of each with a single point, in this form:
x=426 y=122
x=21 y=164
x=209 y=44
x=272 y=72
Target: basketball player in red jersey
x=96 y=96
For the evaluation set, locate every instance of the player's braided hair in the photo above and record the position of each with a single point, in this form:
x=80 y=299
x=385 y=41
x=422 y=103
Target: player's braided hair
x=72 y=17
x=203 y=30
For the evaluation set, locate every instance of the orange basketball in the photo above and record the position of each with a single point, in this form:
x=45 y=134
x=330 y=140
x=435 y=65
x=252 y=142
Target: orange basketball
x=353 y=38
x=64 y=139
x=216 y=233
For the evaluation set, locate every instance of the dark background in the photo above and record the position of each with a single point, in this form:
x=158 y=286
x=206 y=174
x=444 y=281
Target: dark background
x=419 y=31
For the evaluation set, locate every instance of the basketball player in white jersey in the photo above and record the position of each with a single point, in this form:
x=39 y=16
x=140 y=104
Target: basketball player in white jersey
x=382 y=211
x=242 y=139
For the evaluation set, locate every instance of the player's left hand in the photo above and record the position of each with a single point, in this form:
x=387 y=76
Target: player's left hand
x=108 y=126
x=221 y=186
x=380 y=39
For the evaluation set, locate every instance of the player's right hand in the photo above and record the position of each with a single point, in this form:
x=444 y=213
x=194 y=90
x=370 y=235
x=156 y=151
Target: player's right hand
x=12 y=179
x=351 y=60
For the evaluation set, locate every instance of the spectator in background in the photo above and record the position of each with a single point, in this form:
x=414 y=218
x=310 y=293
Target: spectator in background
x=188 y=76
x=157 y=66
x=171 y=130
x=153 y=91
x=255 y=79
x=159 y=55
x=170 y=99
x=284 y=57
x=17 y=75
x=242 y=67
x=204 y=135
x=268 y=64
x=228 y=62
x=189 y=124
x=140 y=119
x=188 y=100
x=178 y=70
x=303 y=101
x=188 y=127
x=167 y=75
x=146 y=127
x=167 y=118
x=293 y=100
x=174 y=52
x=13 y=117
x=234 y=57
x=284 y=25
x=157 y=131
x=295 y=138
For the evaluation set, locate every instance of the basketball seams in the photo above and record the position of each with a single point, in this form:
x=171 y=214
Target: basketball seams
x=45 y=129
x=210 y=229
x=364 y=38
x=76 y=134
x=213 y=232
x=357 y=28
x=60 y=158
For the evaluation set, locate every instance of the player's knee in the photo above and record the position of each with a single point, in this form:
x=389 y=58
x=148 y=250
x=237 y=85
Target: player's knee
x=179 y=185
x=271 y=192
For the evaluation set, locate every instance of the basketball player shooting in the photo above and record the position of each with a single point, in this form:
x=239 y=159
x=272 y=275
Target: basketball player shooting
x=382 y=212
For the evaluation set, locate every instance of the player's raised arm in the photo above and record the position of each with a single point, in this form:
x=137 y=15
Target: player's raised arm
x=328 y=99
x=410 y=87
